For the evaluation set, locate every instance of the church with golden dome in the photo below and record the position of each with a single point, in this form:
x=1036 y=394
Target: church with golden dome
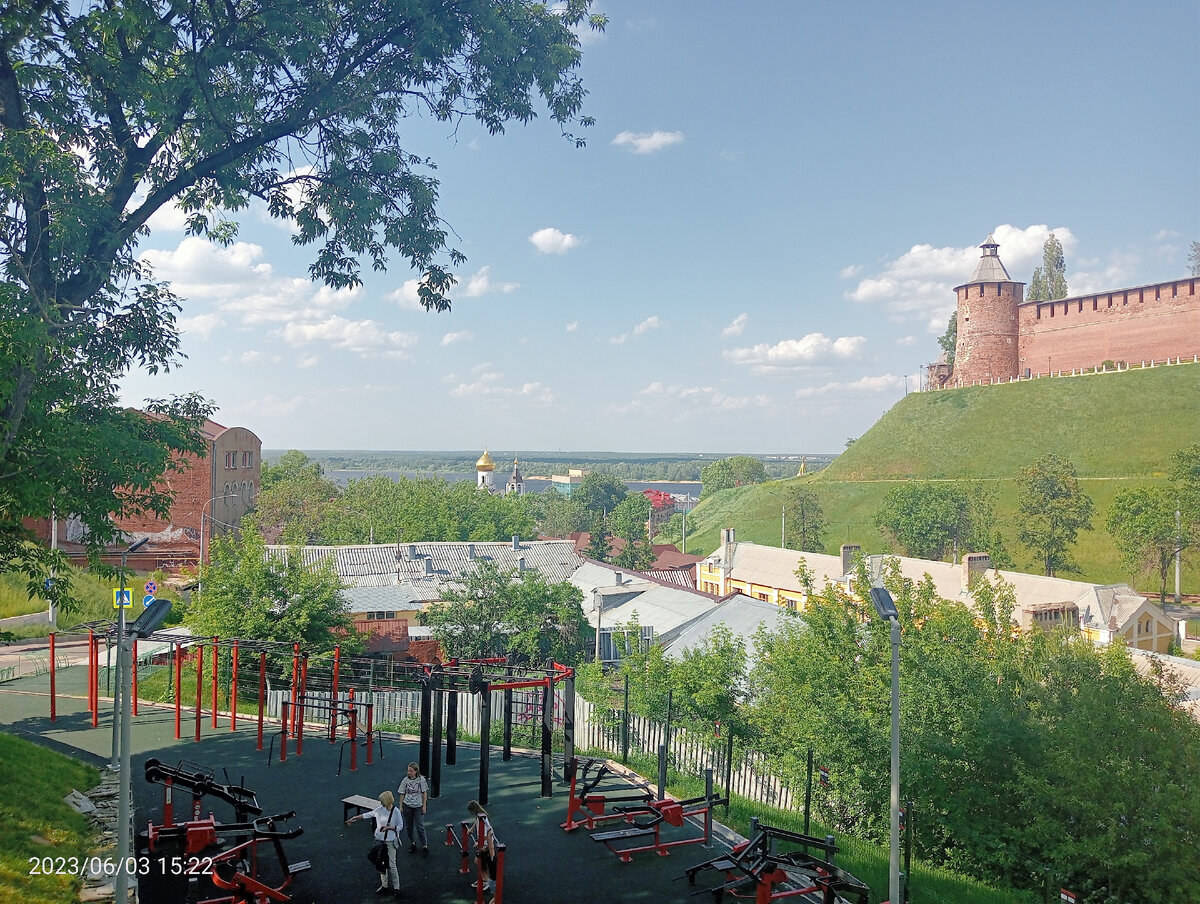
x=485 y=475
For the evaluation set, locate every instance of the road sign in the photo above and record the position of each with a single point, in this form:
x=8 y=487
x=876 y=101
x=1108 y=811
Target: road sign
x=147 y=599
x=1068 y=896
x=824 y=775
x=122 y=599
x=151 y=588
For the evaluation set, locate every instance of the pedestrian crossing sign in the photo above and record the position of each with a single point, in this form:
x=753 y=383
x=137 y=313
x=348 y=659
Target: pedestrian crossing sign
x=122 y=599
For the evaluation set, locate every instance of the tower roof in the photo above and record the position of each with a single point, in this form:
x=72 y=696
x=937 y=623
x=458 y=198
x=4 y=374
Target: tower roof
x=516 y=474
x=990 y=269
x=485 y=462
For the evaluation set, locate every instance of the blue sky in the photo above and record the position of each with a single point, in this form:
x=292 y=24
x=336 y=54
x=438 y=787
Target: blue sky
x=756 y=250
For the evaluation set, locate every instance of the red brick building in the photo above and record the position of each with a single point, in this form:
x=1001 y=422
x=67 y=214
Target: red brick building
x=1002 y=337
x=212 y=493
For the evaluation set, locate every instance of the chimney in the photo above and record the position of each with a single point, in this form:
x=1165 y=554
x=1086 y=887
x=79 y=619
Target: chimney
x=974 y=564
x=428 y=560
x=471 y=551
x=850 y=552
x=516 y=541
x=521 y=564
x=412 y=552
x=620 y=577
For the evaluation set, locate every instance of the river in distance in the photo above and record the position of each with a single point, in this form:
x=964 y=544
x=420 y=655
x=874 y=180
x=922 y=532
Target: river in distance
x=532 y=484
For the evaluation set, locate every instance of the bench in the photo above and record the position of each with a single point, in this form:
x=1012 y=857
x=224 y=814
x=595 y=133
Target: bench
x=356 y=805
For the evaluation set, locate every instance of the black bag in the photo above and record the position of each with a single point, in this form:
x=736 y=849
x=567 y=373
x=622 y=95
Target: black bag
x=378 y=855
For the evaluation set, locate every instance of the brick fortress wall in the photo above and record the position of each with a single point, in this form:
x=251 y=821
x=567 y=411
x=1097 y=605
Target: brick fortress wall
x=1132 y=325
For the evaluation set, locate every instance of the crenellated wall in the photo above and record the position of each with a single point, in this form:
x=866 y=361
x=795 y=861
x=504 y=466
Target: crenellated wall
x=1131 y=325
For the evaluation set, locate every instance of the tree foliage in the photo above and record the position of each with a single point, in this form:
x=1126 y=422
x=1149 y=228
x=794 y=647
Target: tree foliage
x=735 y=471
x=948 y=341
x=628 y=521
x=497 y=613
x=934 y=519
x=804 y=523
x=1049 y=281
x=599 y=493
x=1052 y=509
x=244 y=594
x=1142 y=524
x=111 y=111
x=1194 y=259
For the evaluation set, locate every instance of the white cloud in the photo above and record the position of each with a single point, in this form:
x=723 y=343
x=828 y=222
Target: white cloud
x=736 y=326
x=308 y=361
x=488 y=385
x=906 y=341
x=241 y=284
x=457 y=336
x=657 y=398
x=789 y=354
x=361 y=337
x=553 y=241
x=407 y=296
x=480 y=283
x=886 y=383
x=202 y=325
x=650 y=323
x=647 y=142
x=919 y=284
x=572 y=326
x=850 y=272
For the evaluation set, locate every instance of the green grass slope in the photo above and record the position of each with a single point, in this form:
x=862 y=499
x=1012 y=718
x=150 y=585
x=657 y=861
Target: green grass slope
x=1118 y=429
x=1109 y=425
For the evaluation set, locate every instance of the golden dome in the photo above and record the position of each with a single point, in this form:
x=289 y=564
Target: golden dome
x=485 y=462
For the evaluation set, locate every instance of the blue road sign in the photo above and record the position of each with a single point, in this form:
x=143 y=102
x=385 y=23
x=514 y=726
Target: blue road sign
x=122 y=599
x=147 y=599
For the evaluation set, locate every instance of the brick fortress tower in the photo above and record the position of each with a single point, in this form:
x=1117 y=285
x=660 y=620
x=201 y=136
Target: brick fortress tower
x=988 y=326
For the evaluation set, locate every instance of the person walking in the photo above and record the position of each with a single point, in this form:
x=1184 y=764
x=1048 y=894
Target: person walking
x=414 y=798
x=485 y=849
x=388 y=823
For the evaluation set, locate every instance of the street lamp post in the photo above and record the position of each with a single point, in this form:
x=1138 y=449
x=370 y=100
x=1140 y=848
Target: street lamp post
x=123 y=706
x=886 y=607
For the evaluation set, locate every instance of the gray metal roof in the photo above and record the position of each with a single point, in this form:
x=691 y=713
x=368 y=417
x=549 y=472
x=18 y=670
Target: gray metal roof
x=742 y=615
x=447 y=562
x=657 y=604
x=989 y=268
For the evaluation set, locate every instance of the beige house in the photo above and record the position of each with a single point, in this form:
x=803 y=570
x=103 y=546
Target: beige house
x=1101 y=612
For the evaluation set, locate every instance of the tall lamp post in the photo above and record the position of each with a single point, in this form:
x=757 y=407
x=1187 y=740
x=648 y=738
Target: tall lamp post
x=886 y=607
x=119 y=690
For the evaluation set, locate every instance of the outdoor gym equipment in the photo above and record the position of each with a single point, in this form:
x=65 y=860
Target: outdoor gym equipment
x=669 y=811
x=237 y=870
x=756 y=867
x=200 y=781
x=467 y=849
x=585 y=800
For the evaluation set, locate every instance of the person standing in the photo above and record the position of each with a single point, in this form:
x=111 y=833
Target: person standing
x=388 y=823
x=414 y=798
x=485 y=848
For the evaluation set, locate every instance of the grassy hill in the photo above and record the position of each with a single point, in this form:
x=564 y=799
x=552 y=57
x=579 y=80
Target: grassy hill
x=1118 y=429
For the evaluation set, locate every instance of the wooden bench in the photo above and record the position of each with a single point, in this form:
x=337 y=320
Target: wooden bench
x=356 y=805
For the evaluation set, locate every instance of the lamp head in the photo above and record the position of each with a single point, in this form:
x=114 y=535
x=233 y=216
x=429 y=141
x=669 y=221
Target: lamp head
x=137 y=544
x=884 y=604
x=151 y=618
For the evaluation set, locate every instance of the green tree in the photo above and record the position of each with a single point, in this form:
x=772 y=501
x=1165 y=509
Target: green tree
x=1049 y=281
x=1142 y=523
x=735 y=471
x=558 y=515
x=1194 y=259
x=628 y=521
x=1052 y=509
x=933 y=519
x=292 y=463
x=245 y=594
x=805 y=523
x=497 y=612
x=78 y=453
x=949 y=339
x=111 y=111
x=599 y=493
x=296 y=505
x=710 y=681
x=597 y=547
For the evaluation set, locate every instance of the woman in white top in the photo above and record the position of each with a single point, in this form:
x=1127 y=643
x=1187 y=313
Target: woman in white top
x=388 y=823
x=414 y=796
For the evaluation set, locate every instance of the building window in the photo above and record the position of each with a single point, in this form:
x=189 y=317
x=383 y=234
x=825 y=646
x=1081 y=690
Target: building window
x=370 y=616
x=247 y=459
x=230 y=461
x=1095 y=304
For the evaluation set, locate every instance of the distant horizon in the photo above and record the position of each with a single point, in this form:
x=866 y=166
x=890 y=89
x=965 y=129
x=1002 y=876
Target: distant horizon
x=268 y=453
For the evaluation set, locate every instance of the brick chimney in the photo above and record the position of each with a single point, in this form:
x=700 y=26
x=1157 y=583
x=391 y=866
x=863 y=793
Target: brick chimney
x=850 y=551
x=974 y=564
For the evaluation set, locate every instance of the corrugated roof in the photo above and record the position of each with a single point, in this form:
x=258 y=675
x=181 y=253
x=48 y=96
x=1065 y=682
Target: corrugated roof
x=665 y=607
x=741 y=614
x=447 y=562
